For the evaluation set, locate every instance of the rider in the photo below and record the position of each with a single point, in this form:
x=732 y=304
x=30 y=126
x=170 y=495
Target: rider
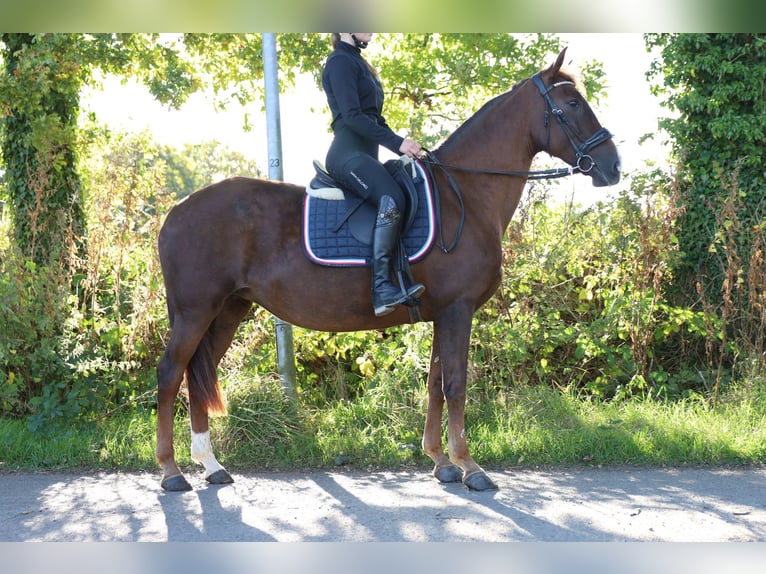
x=355 y=96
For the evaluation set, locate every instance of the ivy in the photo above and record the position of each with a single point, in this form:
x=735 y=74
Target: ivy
x=40 y=92
x=715 y=84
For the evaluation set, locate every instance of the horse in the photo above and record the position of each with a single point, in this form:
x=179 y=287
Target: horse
x=238 y=242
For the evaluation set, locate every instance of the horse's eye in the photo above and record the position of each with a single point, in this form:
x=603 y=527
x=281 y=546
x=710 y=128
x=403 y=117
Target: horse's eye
x=574 y=104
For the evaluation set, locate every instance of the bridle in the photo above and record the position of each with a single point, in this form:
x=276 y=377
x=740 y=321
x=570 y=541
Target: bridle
x=584 y=162
x=585 y=145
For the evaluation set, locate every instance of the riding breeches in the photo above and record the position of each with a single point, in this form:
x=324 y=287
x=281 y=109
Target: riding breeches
x=354 y=162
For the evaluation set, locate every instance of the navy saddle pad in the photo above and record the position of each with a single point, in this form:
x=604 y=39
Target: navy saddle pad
x=326 y=245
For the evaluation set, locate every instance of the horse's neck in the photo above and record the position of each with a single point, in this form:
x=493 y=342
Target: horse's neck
x=499 y=140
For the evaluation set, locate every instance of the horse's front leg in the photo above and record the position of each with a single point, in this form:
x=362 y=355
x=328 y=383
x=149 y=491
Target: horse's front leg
x=444 y=470
x=454 y=334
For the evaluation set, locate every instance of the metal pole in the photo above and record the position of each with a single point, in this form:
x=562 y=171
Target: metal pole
x=284 y=331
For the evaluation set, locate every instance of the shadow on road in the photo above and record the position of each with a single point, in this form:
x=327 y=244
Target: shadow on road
x=592 y=505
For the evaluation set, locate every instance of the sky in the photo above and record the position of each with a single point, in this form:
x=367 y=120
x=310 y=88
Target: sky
x=629 y=111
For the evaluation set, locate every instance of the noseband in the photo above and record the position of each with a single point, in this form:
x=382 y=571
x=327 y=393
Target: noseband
x=584 y=162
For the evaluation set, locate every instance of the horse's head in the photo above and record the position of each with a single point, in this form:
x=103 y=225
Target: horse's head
x=570 y=130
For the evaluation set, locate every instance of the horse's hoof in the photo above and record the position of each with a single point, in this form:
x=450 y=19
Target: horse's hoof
x=220 y=477
x=450 y=473
x=479 y=481
x=176 y=483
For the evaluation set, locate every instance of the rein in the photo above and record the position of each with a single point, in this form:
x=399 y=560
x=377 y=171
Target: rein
x=430 y=161
x=554 y=173
x=584 y=162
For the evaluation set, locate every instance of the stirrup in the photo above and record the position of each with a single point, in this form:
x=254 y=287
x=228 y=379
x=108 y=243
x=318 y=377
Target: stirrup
x=415 y=291
x=383 y=310
x=384 y=307
x=404 y=277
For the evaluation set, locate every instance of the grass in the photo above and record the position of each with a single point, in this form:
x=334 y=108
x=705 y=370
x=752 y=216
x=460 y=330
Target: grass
x=544 y=427
x=526 y=427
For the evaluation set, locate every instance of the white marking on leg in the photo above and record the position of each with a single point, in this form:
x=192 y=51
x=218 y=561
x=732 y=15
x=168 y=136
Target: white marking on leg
x=202 y=452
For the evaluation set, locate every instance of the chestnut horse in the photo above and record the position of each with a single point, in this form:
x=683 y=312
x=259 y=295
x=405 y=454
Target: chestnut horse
x=238 y=242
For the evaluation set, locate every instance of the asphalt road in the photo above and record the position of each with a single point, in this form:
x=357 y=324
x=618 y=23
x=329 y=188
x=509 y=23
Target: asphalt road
x=551 y=505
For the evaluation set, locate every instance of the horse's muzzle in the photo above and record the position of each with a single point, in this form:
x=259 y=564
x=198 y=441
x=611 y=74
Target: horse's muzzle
x=605 y=177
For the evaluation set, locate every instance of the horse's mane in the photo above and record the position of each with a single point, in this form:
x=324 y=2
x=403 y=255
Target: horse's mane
x=561 y=76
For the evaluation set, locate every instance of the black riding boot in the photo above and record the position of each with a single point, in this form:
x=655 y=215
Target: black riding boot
x=385 y=294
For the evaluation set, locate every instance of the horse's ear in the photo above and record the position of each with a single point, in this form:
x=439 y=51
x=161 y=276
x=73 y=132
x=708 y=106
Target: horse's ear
x=554 y=69
x=560 y=60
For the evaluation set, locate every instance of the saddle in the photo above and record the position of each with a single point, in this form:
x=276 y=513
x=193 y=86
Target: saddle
x=361 y=214
x=338 y=226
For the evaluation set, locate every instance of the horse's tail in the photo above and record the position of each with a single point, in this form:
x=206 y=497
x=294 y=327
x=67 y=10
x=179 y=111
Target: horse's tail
x=202 y=379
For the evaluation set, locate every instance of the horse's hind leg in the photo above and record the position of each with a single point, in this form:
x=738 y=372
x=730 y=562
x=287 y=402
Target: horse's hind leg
x=444 y=470
x=220 y=335
x=183 y=341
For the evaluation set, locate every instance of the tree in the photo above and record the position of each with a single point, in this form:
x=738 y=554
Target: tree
x=197 y=165
x=432 y=79
x=435 y=81
x=39 y=96
x=715 y=82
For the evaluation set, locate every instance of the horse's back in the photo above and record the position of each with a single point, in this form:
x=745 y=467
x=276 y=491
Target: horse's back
x=231 y=199
x=213 y=232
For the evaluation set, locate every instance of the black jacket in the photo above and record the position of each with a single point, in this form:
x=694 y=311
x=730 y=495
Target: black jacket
x=355 y=97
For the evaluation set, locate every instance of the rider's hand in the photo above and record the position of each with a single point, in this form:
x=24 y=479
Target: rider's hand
x=411 y=148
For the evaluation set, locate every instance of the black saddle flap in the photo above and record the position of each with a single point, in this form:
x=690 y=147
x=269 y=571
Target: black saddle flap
x=406 y=180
